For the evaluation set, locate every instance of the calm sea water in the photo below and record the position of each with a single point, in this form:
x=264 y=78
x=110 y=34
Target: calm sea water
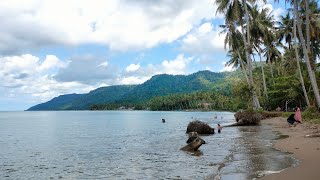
x=131 y=145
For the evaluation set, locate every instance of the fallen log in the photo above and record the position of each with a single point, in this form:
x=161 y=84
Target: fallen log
x=194 y=145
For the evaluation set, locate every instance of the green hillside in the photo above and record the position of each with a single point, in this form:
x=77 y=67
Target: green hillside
x=159 y=85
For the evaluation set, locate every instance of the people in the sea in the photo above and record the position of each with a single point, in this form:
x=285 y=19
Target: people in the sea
x=219 y=128
x=215 y=116
x=163 y=120
x=297 y=115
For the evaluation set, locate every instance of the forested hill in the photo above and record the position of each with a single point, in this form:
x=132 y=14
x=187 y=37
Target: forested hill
x=158 y=85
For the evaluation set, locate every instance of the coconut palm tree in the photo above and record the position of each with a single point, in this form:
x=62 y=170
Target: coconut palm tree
x=284 y=29
x=297 y=19
x=311 y=73
x=236 y=60
x=234 y=11
x=298 y=64
x=235 y=44
x=247 y=43
x=310 y=13
x=261 y=26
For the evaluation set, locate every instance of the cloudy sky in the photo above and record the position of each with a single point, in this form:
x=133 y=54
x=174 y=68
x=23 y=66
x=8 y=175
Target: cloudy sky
x=53 y=47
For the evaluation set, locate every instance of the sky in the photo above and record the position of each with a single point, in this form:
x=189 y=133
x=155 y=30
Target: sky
x=54 y=47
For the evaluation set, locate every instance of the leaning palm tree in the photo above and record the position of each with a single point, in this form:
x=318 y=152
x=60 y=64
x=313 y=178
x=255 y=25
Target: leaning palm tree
x=286 y=30
x=306 y=54
x=247 y=50
x=235 y=44
x=261 y=26
x=236 y=60
x=311 y=73
x=298 y=64
x=309 y=13
x=234 y=11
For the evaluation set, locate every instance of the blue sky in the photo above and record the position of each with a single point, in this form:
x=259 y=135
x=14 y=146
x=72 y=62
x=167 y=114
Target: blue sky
x=53 y=47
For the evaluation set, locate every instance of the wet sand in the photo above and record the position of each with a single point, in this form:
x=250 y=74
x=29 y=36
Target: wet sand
x=305 y=149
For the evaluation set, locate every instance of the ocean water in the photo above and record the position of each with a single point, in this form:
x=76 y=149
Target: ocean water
x=132 y=145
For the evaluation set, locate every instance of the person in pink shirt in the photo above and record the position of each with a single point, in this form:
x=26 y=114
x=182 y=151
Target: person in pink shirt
x=297 y=115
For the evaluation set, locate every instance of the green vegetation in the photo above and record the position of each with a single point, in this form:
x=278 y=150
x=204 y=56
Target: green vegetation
x=287 y=73
x=276 y=64
x=137 y=96
x=311 y=115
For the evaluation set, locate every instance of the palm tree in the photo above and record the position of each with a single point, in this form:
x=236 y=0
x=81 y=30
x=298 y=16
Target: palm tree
x=247 y=43
x=285 y=29
x=236 y=60
x=261 y=26
x=233 y=11
x=305 y=49
x=311 y=73
x=235 y=44
x=298 y=64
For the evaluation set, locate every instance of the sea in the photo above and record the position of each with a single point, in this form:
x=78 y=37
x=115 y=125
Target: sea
x=133 y=145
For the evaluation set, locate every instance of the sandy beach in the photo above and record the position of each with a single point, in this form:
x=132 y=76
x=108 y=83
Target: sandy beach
x=304 y=143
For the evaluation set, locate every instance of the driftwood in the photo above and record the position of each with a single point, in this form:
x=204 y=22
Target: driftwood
x=199 y=127
x=313 y=135
x=192 y=136
x=194 y=145
x=234 y=124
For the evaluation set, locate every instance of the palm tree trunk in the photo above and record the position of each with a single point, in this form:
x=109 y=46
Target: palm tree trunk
x=270 y=64
x=243 y=68
x=312 y=61
x=263 y=77
x=306 y=56
x=298 y=63
x=255 y=99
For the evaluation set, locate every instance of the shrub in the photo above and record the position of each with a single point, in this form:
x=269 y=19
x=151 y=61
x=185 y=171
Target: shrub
x=311 y=114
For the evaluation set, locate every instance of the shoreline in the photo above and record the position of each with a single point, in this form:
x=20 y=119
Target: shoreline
x=305 y=149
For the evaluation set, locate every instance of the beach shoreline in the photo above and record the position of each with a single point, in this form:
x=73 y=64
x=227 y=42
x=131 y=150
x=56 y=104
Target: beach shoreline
x=304 y=147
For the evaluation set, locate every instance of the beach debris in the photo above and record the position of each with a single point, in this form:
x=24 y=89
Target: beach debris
x=199 y=127
x=194 y=145
x=192 y=136
x=313 y=135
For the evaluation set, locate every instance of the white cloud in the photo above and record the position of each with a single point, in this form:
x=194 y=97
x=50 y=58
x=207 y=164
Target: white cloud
x=227 y=68
x=132 y=67
x=105 y=64
x=176 y=66
x=206 y=39
x=179 y=65
x=51 y=61
x=119 y=24
x=133 y=80
x=87 y=69
x=28 y=75
x=275 y=12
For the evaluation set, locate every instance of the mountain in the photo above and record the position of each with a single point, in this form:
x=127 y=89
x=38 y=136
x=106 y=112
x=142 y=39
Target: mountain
x=158 y=85
x=84 y=101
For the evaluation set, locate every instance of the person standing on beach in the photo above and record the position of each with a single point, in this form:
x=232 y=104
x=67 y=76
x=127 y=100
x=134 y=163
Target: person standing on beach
x=297 y=115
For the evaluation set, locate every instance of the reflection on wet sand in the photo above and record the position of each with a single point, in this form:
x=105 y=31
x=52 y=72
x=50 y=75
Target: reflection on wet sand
x=253 y=155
